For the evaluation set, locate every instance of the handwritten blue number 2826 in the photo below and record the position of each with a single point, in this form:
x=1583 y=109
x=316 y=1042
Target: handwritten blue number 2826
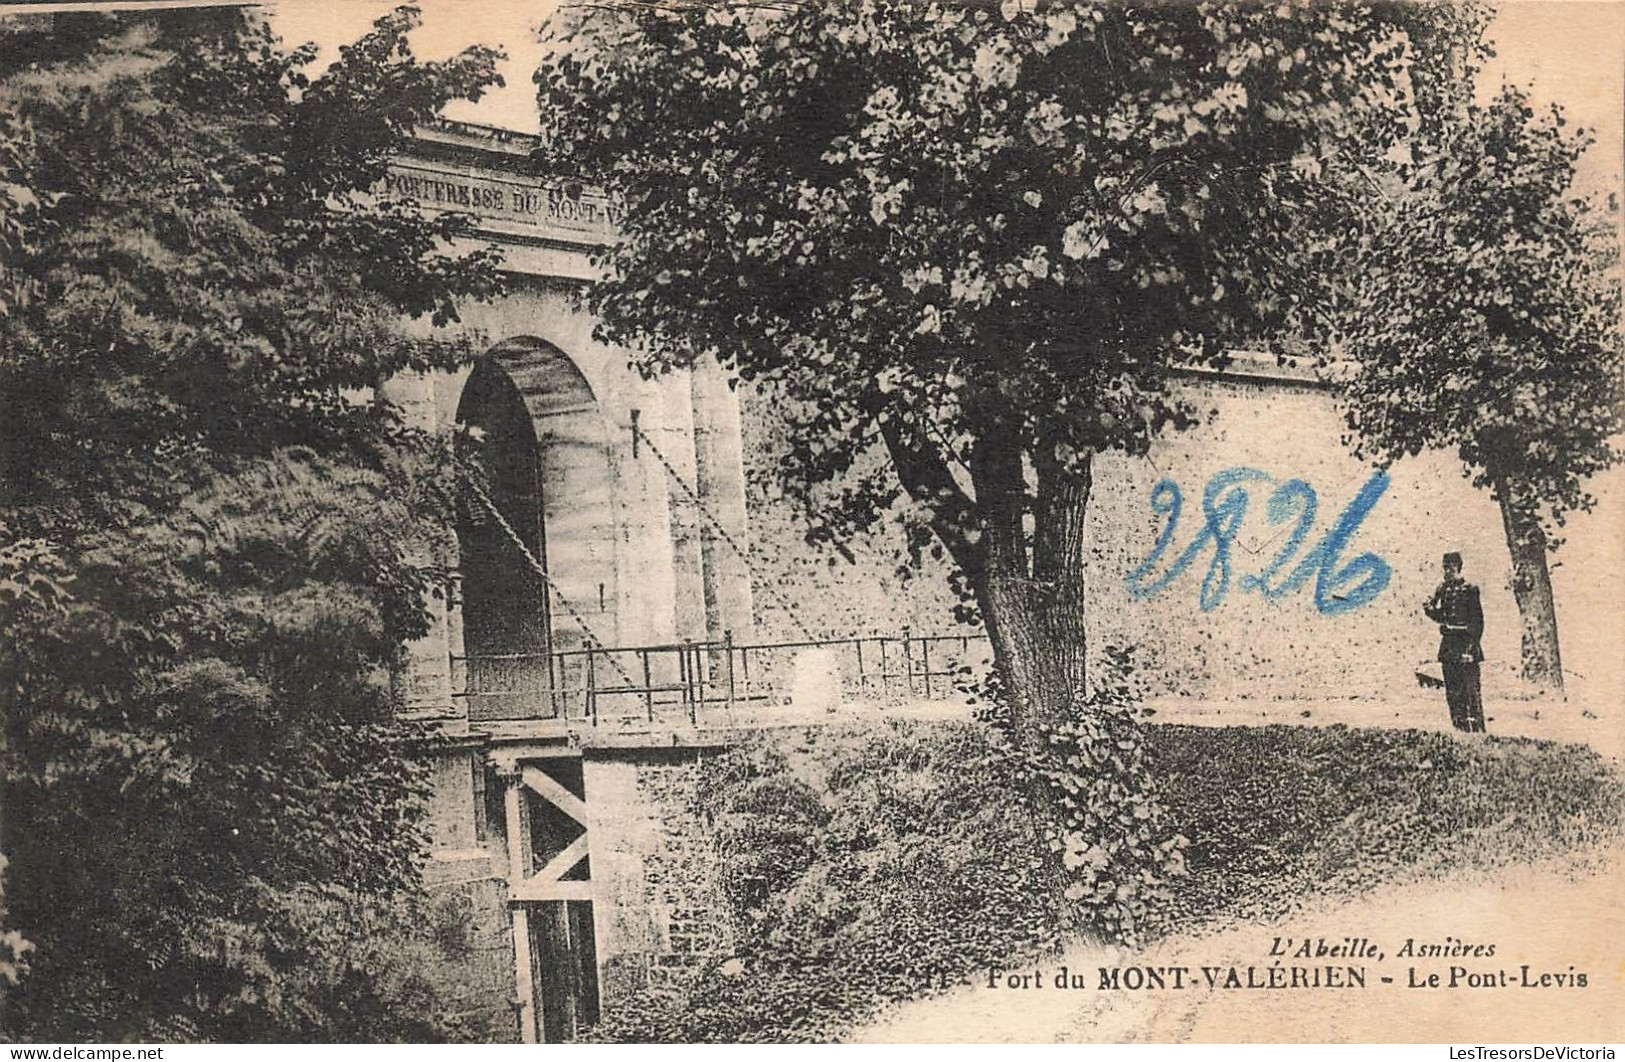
x=1224 y=507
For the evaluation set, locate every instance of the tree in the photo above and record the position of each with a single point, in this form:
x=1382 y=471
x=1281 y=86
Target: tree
x=1486 y=321
x=207 y=529
x=976 y=237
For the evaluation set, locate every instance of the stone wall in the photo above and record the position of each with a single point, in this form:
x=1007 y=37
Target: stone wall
x=474 y=936
x=1246 y=645
x=872 y=591
x=659 y=915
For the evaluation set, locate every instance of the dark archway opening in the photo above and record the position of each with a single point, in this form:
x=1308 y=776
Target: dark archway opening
x=506 y=626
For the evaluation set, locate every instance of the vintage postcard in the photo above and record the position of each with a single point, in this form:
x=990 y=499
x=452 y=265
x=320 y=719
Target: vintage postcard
x=862 y=521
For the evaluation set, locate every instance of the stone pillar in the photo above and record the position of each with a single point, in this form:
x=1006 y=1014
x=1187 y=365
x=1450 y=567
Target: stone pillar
x=720 y=467
x=456 y=647
x=428 y=661
x=677 y=443
x=454 y=853
x=659 y=913
x=646 y=580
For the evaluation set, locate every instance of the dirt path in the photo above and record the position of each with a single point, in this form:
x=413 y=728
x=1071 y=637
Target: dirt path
x=1543 y=917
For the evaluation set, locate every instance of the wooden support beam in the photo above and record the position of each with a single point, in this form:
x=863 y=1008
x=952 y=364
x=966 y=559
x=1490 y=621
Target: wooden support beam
x=518 y=836
x=562 y=863
x=537 y=890
x=524 y=985
x=554 y=793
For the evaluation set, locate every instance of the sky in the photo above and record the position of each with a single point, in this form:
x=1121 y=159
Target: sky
x=1566 y=51
x=1570 y=52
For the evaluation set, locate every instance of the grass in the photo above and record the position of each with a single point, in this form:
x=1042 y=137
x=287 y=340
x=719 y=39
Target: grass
x=1279 y=815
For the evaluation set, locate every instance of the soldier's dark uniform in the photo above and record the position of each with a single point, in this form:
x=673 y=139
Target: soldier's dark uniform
x=1455 y=608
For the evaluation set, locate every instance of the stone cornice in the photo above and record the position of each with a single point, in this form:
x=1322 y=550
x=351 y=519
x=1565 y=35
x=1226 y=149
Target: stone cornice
x=472 y=136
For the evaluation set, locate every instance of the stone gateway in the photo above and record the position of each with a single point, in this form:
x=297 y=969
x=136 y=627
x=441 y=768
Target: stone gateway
x=585 y=533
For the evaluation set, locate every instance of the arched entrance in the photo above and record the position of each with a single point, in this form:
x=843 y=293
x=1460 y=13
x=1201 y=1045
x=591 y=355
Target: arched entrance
x=506 y=624
x=543 y=449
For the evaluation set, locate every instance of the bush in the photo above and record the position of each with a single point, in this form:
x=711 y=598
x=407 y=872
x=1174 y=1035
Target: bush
x=210 y=805
x=862 y=866
x=1102 y=812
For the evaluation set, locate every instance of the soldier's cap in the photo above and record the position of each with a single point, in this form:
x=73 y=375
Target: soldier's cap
x=1453 y=558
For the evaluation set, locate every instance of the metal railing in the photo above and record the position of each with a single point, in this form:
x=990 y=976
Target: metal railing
x=689 y=680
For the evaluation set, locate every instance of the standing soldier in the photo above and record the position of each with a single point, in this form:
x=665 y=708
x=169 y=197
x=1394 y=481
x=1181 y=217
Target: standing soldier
x=1455 y=608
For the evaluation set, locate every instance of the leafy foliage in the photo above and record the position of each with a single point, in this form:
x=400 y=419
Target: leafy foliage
x=1102 y=811
x=1486 y=322
x=861 y=864
x=215 y=542
x=1278 y=816
x=944 y=214
x=211 y=280
x=14 y=947
x=1487 y=318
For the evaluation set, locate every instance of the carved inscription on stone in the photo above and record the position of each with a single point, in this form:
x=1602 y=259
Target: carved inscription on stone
x=588 y=217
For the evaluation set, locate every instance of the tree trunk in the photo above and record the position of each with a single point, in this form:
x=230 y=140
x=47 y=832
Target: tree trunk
x=1542 y=665
x=1034 y=613
x=1039 y=666
x=1031 y=599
